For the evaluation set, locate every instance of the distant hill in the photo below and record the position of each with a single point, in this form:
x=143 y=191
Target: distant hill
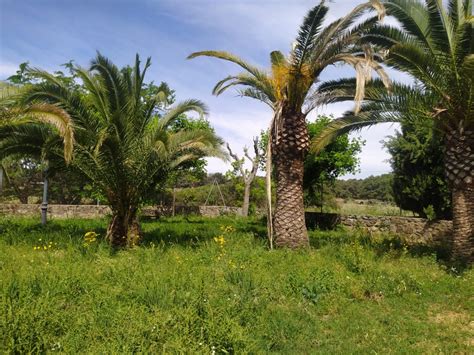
x=370 y=188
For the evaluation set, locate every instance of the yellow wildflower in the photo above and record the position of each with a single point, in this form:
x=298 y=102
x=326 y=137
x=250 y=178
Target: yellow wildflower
x=220 y=240
x=90 y=237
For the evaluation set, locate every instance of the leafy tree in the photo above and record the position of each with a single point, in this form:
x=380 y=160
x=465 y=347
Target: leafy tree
x=291 y=88
x=21 y=76
x=435 y=45
x=112 y=136
x=418 y=174
x=338 y=158
x=22 y=179
x=244 y=175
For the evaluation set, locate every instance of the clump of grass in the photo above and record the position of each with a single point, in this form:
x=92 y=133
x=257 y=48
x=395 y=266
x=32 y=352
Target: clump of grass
x=212 y=286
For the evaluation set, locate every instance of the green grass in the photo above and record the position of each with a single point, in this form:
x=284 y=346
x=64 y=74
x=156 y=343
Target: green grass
x=181 y=291
x=364 y=207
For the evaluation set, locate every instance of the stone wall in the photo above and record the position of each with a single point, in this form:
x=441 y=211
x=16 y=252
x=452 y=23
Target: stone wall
x=55 y=211
x=94 y=211
x=416 y=230
x=412 y=229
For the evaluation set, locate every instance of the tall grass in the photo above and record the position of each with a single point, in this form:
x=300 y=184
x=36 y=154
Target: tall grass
x=211 y=286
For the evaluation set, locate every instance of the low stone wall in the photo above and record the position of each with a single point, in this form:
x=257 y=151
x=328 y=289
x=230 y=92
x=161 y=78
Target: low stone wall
x=94 y=211
x=206 y=211
x=416 y=230
x=413 y=229
x=55 y=211
x=214 y=211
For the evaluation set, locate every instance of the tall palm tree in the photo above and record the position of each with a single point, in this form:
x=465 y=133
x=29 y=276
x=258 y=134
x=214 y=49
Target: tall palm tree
x=435 y=45
x=119 y=142
x=291 y=89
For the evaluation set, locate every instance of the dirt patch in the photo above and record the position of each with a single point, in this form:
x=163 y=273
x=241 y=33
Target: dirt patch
x=451 y=317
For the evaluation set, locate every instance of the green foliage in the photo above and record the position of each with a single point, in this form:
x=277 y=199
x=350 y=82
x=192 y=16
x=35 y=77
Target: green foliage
x=22 y=179
x=418 y=170
x=338 y=158
x=232 y=190
x=434 y=44
x=183 y=291
x=112 y=129
x=189 y=173
x=371 y=188
x=21 y=76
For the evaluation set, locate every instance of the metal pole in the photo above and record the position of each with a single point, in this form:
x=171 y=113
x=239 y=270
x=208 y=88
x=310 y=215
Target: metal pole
x=44 y=204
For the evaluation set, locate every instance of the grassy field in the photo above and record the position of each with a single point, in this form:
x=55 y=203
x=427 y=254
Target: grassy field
x=363 y=207
x=211 y=286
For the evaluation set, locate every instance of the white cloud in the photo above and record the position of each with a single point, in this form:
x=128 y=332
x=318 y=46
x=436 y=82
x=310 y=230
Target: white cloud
x=7 y=69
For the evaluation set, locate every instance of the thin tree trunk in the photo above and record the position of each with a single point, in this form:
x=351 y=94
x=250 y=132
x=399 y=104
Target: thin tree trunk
x=290 y=143
x=1 y=180
x=23 y=197
x=173 y=210
x=246 y=202
x=459 y=164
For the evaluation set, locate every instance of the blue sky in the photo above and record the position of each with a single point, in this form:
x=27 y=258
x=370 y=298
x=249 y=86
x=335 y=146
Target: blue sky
x=48 y=33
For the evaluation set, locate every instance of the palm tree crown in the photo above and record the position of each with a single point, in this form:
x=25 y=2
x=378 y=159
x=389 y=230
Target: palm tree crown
x=435 y=45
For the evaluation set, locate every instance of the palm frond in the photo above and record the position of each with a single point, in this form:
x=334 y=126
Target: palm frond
x=253 y=70
x=257 y=95
x=308 y=34
x=413 y=18
x=59 y=119
x=347 y=124
x=190 y=105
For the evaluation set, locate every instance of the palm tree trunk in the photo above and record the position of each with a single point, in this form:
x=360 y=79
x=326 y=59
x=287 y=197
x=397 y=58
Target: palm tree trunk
x=124 y=229
x=459 y=165
x=290 y=143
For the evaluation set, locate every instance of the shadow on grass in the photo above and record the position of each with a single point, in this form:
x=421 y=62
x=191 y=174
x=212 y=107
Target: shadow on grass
x=192 y=231
x=187 y=231
x=30 y=230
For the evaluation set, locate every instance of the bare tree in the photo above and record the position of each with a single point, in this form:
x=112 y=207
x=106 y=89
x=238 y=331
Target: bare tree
x=247 y=175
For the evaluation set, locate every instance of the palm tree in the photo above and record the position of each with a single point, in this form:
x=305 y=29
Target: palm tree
x=435 y=45
x=34 y=132
x=290 y=88
x=119 y=144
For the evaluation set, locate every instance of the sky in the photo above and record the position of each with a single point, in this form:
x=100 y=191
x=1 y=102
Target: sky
x=47 y=33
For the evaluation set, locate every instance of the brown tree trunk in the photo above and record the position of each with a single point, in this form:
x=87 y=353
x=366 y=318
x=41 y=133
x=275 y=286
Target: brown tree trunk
x=459 y=164
x=463 y=225
x=23 y=198
x=290 y=143
x=246 y=202
x=124 y=229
